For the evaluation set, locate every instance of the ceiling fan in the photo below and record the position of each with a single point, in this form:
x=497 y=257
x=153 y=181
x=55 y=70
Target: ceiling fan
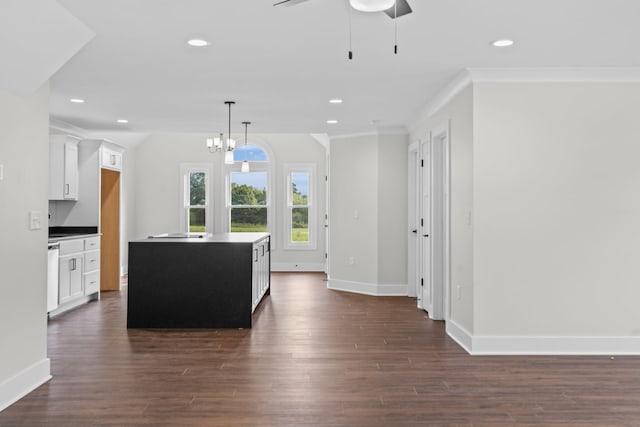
x=400 y=8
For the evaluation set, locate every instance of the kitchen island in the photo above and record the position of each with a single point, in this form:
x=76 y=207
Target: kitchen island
x=197 y=281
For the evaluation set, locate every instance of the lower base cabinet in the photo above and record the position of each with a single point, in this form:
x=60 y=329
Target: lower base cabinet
x=78 y=273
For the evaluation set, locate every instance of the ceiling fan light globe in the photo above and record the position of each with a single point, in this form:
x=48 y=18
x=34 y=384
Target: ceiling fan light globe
x=372 y=5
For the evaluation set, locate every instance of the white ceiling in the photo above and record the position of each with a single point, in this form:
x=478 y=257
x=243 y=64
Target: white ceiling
x=282 y=64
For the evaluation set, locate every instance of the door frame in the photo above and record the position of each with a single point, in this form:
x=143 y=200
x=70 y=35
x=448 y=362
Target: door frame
x=413 y=219
x=421 y=213
x=441 y=135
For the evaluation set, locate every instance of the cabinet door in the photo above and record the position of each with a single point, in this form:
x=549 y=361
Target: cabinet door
x=111 y=159
x=70 y=278
x=64 y=279
x=75 y=284
x=70 y=191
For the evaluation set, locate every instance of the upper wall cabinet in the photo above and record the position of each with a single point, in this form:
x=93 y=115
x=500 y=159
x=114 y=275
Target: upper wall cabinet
x=110 y=158
x=63 y=167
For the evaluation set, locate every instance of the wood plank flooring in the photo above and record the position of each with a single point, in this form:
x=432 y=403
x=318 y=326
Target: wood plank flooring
x=315 y=357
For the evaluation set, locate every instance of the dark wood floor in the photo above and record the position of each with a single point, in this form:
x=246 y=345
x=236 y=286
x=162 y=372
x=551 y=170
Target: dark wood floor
x=315 y=357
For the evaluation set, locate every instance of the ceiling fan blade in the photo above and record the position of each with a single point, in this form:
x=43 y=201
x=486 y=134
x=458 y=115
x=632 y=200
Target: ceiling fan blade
x=289 y=2
x=403 y=8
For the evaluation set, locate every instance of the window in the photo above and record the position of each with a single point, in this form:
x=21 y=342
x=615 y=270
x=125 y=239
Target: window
x=300 y=212
x=195 y=211
x=248 y=207
x=248 y=193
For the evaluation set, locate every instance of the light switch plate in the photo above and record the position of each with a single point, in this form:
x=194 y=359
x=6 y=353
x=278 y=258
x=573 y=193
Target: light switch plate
x=35 y=220
x=1 y=172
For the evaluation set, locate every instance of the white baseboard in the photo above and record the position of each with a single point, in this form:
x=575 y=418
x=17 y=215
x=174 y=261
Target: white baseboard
x=23 y=383
x=368 y=288
x=561 y=345
x=459 y=335
x=298 y=266
x=543 y=345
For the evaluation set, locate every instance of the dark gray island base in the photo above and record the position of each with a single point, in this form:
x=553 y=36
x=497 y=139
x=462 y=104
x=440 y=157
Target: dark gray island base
x=187 y=281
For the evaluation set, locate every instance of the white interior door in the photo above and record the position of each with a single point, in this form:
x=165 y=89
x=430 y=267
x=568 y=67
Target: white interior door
x=433 y=233
x=413 y=242
x=424 y=231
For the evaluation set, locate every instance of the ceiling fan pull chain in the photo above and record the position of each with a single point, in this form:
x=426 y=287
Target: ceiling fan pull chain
x=395 y=18
x=350 y=51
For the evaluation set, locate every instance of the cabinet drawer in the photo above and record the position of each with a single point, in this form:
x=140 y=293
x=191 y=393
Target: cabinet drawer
x=92 y=283
x=71 y=246
x=91 y=261
x=111 y=159
x=92 y=243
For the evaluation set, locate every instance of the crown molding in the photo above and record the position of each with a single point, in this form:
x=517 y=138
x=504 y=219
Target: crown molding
x=558 y=75
x=523 y=75
x=442 y=98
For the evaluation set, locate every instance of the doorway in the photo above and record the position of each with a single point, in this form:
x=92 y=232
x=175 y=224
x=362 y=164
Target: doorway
x=432 y=218
x=110 y=229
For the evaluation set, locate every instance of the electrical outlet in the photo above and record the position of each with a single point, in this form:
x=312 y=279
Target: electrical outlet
x=458 y=291
x=1 y=172
x=351 y=260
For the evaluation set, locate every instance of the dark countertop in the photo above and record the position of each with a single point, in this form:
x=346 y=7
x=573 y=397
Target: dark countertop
x=205 y=238
x=59 y=237
x=58 y=233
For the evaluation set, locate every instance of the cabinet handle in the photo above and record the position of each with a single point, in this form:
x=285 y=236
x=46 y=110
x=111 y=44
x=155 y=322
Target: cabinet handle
x=256 y=260
x=113 y=159
x=67 y=189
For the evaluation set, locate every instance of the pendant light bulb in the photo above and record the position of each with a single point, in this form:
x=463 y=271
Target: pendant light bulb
x=228 y=157
x=245 y=162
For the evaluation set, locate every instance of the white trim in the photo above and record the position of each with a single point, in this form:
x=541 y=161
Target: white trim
x=24 y=382
x=321 y=138
x=368 y=288
x=543 y=345
x=444 y=96
x=353 y=135
x=555 y=345
x=298 y=266
x=596 y=74
x=392 y=130
x=459 y=335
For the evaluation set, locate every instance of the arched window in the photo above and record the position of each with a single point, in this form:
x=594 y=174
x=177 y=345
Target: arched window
x=249 y=196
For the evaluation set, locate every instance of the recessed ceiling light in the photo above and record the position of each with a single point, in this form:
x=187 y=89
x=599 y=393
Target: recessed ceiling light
x=335 y=101
x=332 y=122
x=76 y=100
x=122 y=121
x=197 y=42
x=502 y=43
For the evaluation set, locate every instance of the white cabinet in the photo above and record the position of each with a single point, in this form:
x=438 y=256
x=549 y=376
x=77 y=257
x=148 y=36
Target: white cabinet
x=261 y=271
x=110 y=158
x=63 y=167
x=70 y=271
x=79 y=272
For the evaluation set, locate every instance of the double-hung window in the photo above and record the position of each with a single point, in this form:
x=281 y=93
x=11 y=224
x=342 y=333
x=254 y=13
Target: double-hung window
x=300 y=210
x=249 y=193
x=196 y=213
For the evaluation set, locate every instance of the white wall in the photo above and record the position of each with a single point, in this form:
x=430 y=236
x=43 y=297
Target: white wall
x=353 y=216
x=557 y=209
x=157 y=187
x=457 y=113
x=24 y=149
x=127 y=207
x=392 y=209
x=368 y=214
